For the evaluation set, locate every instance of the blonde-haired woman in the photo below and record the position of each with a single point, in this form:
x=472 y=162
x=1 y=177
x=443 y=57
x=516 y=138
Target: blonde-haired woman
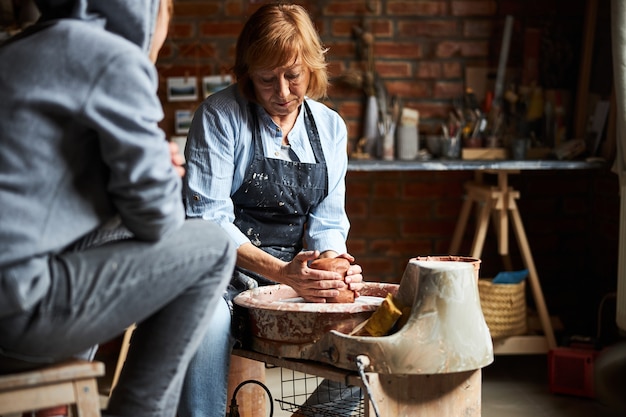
x=267 y=162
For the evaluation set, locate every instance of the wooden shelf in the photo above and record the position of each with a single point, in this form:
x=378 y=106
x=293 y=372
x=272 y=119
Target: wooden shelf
x=472 y=165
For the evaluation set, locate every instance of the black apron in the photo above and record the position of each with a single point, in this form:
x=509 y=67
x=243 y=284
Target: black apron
x=273 y=202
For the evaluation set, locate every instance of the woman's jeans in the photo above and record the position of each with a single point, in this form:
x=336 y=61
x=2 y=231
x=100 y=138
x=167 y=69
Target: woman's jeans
x=169 y=288
x=206 y=383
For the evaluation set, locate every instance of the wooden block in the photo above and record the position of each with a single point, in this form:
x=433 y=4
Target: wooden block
x=483 y=153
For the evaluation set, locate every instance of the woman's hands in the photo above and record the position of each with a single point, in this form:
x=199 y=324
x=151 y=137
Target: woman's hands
x=353 y=276
x=316 y=285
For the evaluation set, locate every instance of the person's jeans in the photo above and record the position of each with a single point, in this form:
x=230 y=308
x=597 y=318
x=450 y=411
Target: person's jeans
x=205 y=388
x=170 y=288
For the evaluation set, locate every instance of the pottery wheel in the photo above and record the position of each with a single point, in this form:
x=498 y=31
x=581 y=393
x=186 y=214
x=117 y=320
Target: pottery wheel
x=278 y=314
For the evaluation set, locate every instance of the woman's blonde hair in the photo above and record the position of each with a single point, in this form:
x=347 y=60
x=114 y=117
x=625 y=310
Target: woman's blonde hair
x=276 y=35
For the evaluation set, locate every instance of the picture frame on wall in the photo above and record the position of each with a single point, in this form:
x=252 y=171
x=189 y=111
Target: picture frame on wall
x=182 y=89
x=214 y=83
x=182 y=120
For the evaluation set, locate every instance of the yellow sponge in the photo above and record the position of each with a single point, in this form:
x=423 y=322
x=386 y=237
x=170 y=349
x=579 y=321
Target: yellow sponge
x=383 y=319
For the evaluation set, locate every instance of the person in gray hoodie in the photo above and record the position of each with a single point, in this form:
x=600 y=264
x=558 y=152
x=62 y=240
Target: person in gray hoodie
x=93 y=236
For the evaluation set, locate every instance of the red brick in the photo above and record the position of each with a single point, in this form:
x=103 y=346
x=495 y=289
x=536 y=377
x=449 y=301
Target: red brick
x=428 y=28
x=358 y=190
x=320 y=27
x=432 y=109
x=427 y=227
x=195 y=9
x=221 y=29
x=394 y=69
x=346 y=27
x=448 y=209
x=343 y=27
x=357 y=247
x=452 y=69
x=435 y=190
x=417 y=8
x=382 y=246
x=381 y=28
x=429 y=69
x=340 y=89
x=166 y=51
x=401 y=209
x=350 y=109
x=356 y=208
x=385 y=189
x=397 y=50
x=474 y=8
x=448 y=89
x=181 y=30
x=335 y=68
x=341 y=49
x=409 y=89
x=478 y=28
x=400 y=248
x=376 y=269
x=196 y=50
x=448 y=49
x=410 y=248
x=373 y=228
x=182 y=70
x=234 y=8
x=351 y=7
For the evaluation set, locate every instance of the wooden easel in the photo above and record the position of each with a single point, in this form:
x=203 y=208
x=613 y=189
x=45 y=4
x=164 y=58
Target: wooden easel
x=498 y=202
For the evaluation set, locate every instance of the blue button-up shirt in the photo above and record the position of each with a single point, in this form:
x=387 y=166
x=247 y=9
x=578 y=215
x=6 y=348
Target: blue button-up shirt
x=219 y=149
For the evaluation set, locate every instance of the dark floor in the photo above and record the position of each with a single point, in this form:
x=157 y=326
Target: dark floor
x=516 y=386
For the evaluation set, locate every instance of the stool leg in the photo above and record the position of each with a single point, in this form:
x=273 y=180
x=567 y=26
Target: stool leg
x=87 y=398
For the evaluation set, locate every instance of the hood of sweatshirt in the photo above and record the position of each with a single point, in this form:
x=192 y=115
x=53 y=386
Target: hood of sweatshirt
x=134 y=20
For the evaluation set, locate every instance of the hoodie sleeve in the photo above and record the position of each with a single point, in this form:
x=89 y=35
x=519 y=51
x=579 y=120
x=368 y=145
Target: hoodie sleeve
x=124 y=110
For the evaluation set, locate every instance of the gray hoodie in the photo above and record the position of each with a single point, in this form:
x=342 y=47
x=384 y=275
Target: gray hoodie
x=79 y=138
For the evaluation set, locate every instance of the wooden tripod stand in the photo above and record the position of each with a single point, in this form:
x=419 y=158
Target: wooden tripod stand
x=498 y=202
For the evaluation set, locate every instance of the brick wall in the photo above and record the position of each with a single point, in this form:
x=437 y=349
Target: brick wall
x=422 y=47
x=422 y=50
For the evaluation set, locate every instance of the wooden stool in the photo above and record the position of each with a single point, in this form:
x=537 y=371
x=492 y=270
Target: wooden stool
x=73 y=383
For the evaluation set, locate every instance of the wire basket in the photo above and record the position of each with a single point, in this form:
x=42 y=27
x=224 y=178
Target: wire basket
x=313 y=396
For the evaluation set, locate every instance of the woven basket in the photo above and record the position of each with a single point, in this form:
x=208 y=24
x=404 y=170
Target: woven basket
x=504 y=307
